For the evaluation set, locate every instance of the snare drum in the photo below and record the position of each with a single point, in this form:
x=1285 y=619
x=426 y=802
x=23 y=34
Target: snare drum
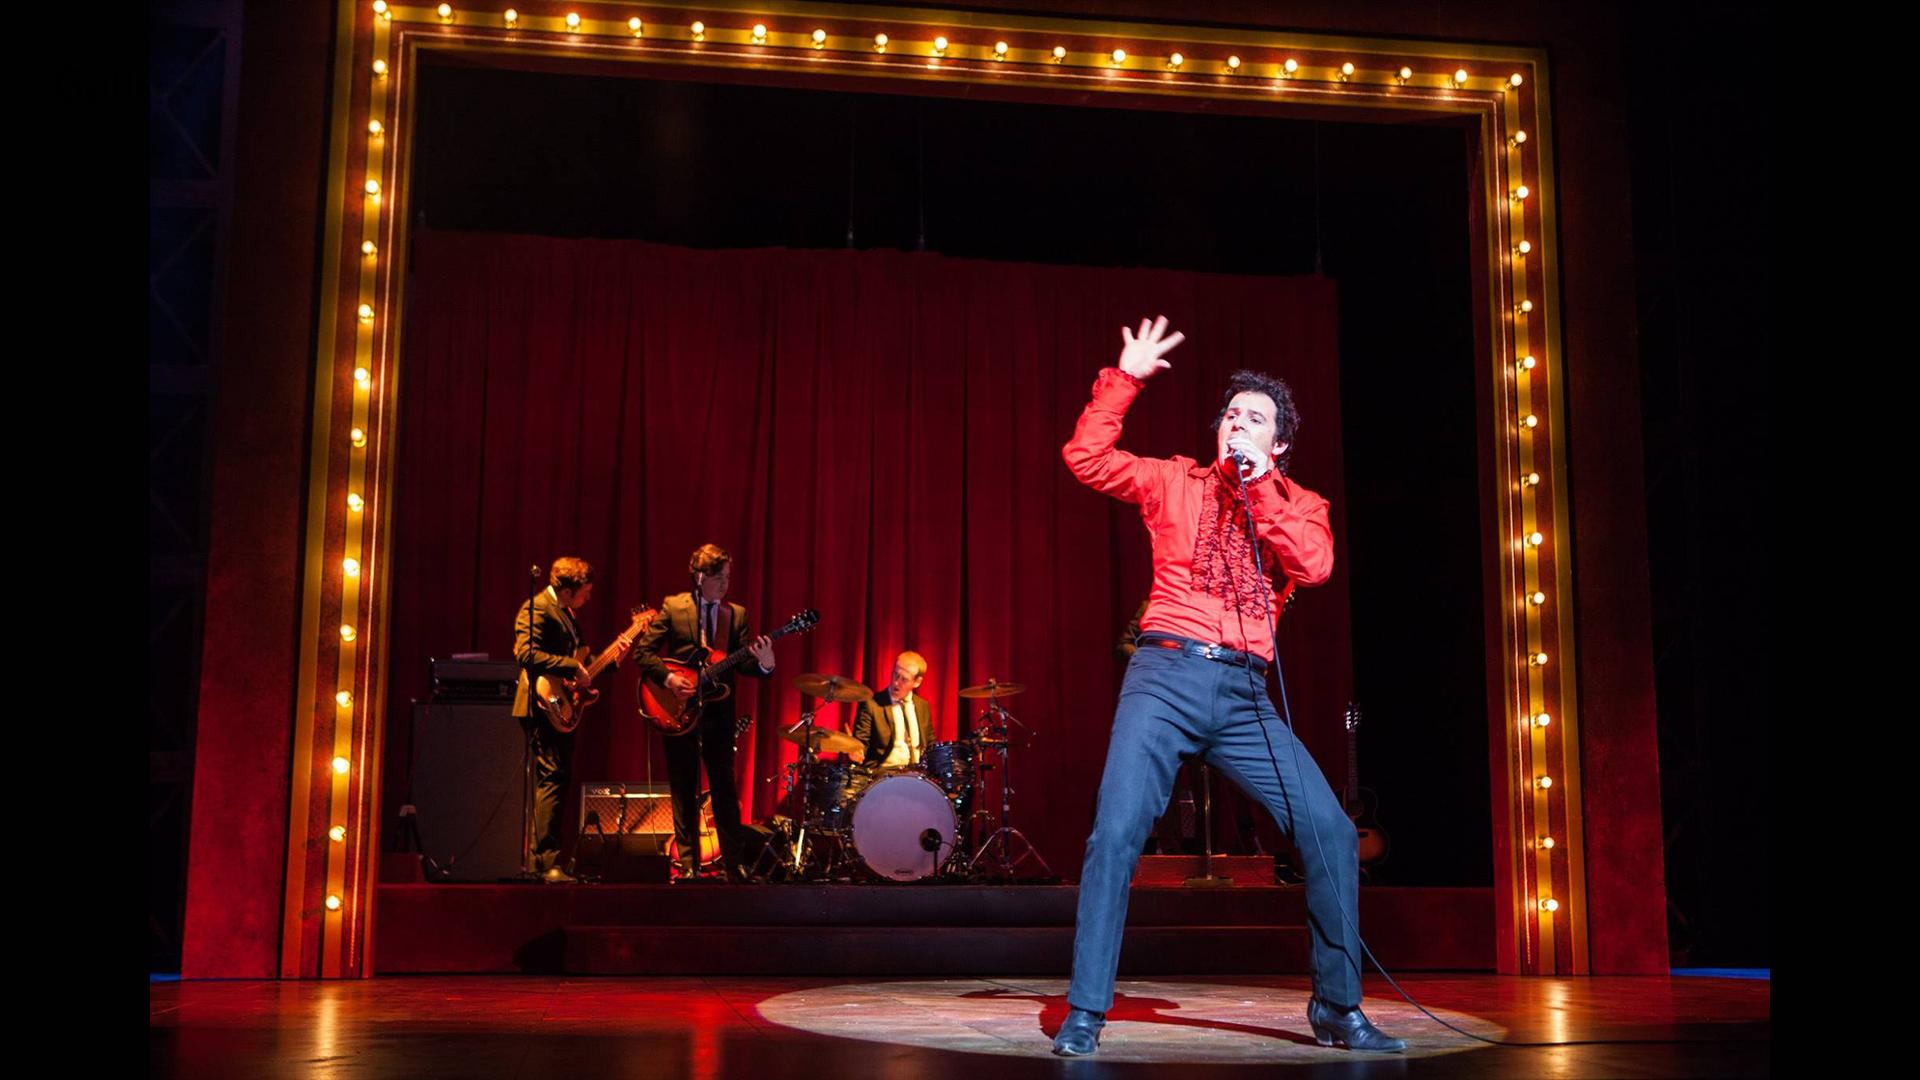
x=903 y=826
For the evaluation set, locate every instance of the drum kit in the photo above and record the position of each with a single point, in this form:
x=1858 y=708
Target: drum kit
x=849 y=821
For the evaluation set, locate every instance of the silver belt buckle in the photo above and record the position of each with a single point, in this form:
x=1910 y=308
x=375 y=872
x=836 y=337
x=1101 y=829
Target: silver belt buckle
x=1208 y=651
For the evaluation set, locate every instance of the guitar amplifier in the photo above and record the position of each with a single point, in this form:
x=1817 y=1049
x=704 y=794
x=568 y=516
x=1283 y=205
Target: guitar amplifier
x=624 y=830
x=473 y=677
x=635 y=809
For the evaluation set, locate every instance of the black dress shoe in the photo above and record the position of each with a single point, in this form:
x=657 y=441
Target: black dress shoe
x=1080 y=1035
x=1349 y=1028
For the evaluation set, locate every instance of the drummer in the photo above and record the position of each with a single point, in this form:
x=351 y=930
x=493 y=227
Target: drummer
x=895 y=725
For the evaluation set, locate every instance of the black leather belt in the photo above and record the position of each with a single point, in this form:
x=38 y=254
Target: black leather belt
x=1219 y=654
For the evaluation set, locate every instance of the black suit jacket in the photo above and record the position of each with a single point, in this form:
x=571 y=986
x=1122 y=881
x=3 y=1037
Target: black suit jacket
x=546 y=644
x=874 y=726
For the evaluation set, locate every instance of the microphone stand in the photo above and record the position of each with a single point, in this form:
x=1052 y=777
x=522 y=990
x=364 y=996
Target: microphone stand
x=526 y=675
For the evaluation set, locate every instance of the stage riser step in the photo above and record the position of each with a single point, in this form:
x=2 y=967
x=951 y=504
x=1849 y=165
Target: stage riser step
x=518 y=928
x=869 y=950
x=713 y=904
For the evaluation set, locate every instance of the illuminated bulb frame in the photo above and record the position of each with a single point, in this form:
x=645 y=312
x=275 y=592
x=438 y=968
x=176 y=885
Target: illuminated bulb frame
x=1515 y=111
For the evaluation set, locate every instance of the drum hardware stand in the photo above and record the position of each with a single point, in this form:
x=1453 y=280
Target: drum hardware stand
x=1207 y=879
x=1006 y=833
x=806 y=787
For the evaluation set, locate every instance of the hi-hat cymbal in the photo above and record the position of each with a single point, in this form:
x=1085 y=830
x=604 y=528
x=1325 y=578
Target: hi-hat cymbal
x=993 y=688
x=831 y=688
x=825 y=740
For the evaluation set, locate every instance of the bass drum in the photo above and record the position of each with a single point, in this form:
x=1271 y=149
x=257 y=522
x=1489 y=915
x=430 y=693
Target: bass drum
x=903 y=827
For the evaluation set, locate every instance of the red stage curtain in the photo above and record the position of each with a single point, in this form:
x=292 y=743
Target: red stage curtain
x=872 y=433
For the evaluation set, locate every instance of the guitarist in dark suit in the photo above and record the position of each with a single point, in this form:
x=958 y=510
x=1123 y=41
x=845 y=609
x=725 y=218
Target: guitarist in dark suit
x=545 y=641
x=896 y=725
x=692 y=625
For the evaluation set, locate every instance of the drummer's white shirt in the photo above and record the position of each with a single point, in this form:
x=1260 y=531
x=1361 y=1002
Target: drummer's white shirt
x=906 y=735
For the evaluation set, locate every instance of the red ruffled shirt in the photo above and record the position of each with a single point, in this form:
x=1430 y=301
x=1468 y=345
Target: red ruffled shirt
x=1204 y=584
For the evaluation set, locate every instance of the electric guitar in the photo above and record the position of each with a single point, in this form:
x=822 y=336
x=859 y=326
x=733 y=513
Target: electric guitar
x=563 y=701
x=676 y=714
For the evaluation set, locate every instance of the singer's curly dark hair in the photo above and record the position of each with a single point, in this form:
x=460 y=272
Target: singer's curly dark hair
x=1286 y=418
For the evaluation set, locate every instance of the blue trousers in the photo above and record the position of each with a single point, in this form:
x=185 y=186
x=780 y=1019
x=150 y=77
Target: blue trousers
x=1174 y=706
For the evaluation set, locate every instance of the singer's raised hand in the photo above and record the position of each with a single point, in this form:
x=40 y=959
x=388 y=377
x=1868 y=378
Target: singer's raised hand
x=1140 y=355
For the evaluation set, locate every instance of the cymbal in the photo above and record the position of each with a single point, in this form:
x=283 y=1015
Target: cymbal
x=993 y=689
x=831 y=688
x=825 y=740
